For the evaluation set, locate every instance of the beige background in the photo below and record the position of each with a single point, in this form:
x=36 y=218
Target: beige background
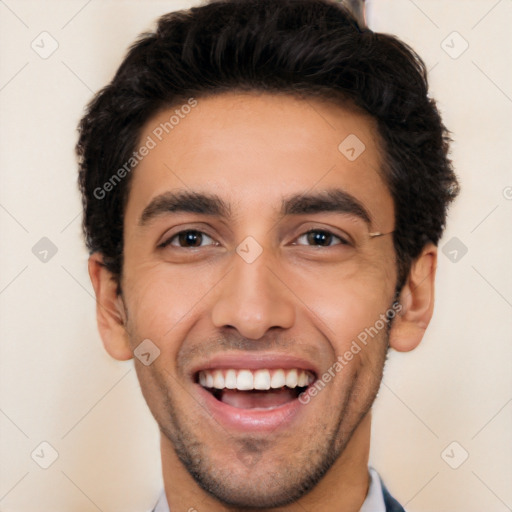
x=58 y=385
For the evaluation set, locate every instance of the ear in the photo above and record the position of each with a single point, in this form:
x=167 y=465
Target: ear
x=417 y=300
x=110 y=310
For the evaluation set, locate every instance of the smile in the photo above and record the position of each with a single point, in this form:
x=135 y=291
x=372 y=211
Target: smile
x=256 y=389
x=263 y=379
x=255 y=398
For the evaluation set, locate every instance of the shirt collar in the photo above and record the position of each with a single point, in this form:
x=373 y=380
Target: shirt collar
x=374 y=501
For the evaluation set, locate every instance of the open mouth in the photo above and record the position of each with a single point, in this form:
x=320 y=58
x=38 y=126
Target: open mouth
x=255 y=389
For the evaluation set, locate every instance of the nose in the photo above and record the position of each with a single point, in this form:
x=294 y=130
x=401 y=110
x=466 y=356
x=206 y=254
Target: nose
x=253 y=299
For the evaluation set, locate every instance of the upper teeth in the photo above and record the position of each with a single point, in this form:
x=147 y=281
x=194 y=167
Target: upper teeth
x=263 y=379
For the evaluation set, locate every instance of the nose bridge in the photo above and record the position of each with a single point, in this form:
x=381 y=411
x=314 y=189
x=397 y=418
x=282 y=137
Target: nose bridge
x=251 y=298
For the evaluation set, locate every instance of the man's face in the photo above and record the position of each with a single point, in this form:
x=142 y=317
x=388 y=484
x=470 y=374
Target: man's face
x=274 y=272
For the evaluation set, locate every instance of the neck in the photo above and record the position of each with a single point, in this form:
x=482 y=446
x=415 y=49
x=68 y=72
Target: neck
x=344 y=486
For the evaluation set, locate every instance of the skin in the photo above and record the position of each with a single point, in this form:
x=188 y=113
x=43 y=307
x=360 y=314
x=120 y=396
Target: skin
x=253 y=150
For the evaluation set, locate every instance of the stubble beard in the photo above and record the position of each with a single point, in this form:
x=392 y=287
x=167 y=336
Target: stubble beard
x=267 y=488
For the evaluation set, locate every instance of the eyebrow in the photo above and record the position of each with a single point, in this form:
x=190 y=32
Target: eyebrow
x=190 y=202
x=332 y=200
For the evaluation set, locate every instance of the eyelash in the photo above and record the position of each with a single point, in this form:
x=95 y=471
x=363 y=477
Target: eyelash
x=168 y=242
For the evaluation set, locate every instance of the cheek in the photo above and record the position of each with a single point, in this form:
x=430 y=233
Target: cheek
x=341 y=300
x=163 y=301
x=344 y=304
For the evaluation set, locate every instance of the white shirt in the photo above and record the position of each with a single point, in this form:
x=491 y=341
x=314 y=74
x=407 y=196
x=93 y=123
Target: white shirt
x=374 y=501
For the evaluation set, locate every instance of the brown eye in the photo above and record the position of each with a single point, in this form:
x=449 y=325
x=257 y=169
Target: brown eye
x=188 y=239
x=321 y=238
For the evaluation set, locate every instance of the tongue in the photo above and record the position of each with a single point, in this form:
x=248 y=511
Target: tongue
x=257 y=399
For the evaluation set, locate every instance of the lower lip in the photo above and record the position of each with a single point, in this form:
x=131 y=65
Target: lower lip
x=250 y=419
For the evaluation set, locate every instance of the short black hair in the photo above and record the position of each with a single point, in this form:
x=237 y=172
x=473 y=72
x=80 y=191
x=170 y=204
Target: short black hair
x=310 y=48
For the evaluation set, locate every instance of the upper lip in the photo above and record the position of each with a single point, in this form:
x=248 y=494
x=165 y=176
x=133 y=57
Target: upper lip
x=254 y=361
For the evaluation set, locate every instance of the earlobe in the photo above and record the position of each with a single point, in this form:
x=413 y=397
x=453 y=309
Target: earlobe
x=110 y=310
x=417 y=300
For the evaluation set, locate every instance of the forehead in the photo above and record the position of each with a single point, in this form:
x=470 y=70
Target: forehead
x=254 y=149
